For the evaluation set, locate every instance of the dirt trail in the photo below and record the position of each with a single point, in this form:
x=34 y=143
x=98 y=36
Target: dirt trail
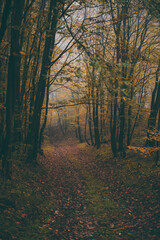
x=72 y=218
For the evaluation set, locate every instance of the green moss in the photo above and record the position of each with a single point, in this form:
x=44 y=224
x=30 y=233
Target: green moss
x=82 y=146
x=25 y=204
x=102 y=207
x=99 y=203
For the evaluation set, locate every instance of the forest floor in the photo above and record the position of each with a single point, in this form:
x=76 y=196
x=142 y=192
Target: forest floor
x=82 y=193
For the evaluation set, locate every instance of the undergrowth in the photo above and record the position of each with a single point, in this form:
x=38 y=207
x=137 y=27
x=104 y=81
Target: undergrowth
x=134 y=183
x=26 y=203
x=122 y=195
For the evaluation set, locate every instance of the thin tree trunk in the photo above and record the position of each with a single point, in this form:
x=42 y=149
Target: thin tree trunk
x=129 y=119
x=157 y=153
x=122 y=125
x=124 y=58
x=90 y=118
x=114 y=124
x=155 y=106
x=130 y=131
x=97 y=137
x=79 y=128
x=85 y=130
x=46 y=114
x=61 y=125
x=95 y=102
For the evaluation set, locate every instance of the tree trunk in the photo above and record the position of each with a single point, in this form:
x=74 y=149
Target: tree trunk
x=61 y=125
x=6 y=12
x=113 y=125
x=90 y=118
x=33 y=88
x=46 y=114
x=46 y=60
x=95 y=102
x=124 y=59
x=13 y=88
x=155 y=106
x=79 y=128
x=122 y=125
x=96 y=120
x=158 y=141
x=85 y=130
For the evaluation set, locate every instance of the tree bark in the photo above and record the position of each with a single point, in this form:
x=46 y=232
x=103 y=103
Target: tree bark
x=85 y=130
x=79 y=128
x=89 y=116
x=13 y=88
x=46 y=61
x=113 y=121
x=6 y=12
x=155 y=106
x=158 y=141
x=96 y=120
x=124 y=59
x=45 y=117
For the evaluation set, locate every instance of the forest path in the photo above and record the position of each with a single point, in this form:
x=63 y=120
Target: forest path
x=100 y=198
x=72 y=218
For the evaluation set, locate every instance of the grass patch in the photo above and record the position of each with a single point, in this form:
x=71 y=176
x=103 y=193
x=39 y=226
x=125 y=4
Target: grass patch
x=134 y=183
x=104 y=208
x=48 y=147
x=26 y=204
x=99 y=203
x=82 y=146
